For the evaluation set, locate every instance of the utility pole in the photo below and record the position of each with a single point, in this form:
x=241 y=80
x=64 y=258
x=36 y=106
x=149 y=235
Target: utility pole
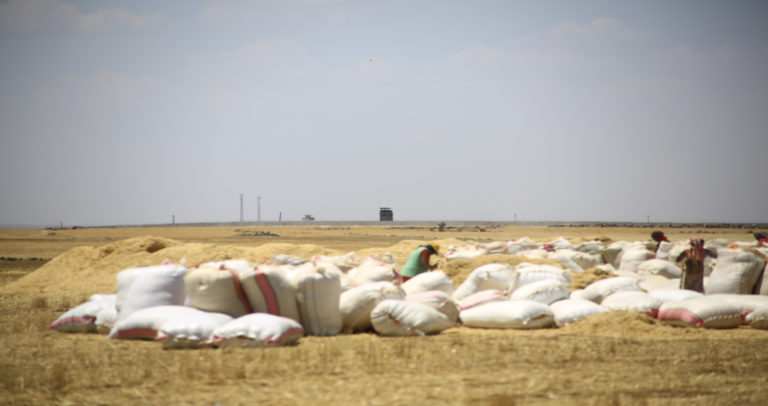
x=241 y=207
x=258 y=208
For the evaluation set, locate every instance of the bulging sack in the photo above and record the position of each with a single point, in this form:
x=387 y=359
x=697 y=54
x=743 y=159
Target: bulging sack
x=318 y=292
x=426 y=281
x=569 y=311
x=736 y=271
x=143 y=324
x=517 y=314
x=190 y=330
x=140 y=288
x=488 y=276
x=401 y=318
x=704 y=311
x=357 y=303
x=257 y=330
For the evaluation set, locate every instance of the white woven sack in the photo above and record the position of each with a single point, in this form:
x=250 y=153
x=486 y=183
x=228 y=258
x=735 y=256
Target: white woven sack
x=701 y=312
x=270 y=291
x=124 y=280
x=518 y=314
x=285 y=259
x=529 y=273
x=611 y=252
x=736 y=271
x=426 y=281
x=237 y=265
x=144 y=323
x=655 y=282
x=343 y=262
x=151 y=286
x=257 y=330
x=632 y=256
x=565 y=257
x=578 y=294
x=592 y=247
x=484 y=296
x=598 y=290
x=216 y=289
x=572 y=310
x=674 y=295
x=545 y=291
x=535 y=253
x=745 y=303
x=401 y=318
x=632 y=301
x=318 y=291
x=660 y=267
x=357 y=303
x=437 y=300
x=464 y=253
x=81 y=318
x=190 y=330
x=758 y=318
x=488 y=276
x=371 y=271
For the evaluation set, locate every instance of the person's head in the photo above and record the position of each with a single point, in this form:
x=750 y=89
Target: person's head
x=761 y=235
x=433 y=248
x=658 y=236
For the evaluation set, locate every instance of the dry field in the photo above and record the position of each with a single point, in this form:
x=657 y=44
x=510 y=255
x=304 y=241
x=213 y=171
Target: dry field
x=612 y=358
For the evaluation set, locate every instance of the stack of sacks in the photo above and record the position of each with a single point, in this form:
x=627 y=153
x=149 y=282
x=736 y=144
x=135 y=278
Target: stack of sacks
x=489 y=276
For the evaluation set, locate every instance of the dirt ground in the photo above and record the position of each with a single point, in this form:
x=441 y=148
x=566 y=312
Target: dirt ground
x=613 y=358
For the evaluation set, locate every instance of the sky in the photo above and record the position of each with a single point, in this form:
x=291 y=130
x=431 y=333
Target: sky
x=144 y=112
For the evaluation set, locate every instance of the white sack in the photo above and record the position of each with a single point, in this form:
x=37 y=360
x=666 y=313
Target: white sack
x=216 y=289
x=632 y=301
x=572 y=310
x=257 y=330
x=151 y=286
x=701 y=312
x=269 y=290
x=518 y=314
x=437 y=300
x=544 y=291
x=357 y=303
x=426 y=281
x=400 y=318
x=144 y=323
x=484 y=296
x=488 y=276
x=758 y=318
x=674 y=295
x=190 y=330
x=318 y=291
x=660 y=267
x=736 y=271
x=83 y=318
x=598 y=290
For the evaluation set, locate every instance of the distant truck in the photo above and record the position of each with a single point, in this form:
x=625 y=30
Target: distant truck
x=308 y=217
x=385 y=214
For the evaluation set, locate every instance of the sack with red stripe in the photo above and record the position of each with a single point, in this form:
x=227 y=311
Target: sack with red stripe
x=269 y=290
x=705 y=311
x=216 y=289
x=143 y=324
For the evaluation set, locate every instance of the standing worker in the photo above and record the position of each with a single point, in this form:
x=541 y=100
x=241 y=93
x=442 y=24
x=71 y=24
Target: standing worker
x=418 y=261
x=658 y=236
x=692 y=263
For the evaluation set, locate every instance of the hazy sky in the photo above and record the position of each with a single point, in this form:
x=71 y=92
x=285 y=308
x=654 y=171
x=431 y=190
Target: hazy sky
x=130 y=112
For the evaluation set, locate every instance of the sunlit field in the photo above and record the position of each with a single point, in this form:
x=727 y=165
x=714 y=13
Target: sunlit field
x=613 y=358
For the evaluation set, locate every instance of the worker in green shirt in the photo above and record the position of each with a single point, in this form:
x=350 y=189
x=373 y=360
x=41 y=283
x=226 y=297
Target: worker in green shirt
x=418 y=261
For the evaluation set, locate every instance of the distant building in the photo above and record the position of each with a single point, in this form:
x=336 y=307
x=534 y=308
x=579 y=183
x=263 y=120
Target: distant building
x=385 y=214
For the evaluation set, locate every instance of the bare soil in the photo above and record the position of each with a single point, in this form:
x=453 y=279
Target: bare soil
x=612 y=358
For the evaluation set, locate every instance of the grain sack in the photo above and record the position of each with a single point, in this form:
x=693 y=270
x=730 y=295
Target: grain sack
x=565 y=257
x=464 y=252
x=190 y=330
x=216 y=289
x=518 y=314
x=437 y=300
x=736 y=271
x=401 y=318
x=655 y=282
x=592 y=247
x=611 y=253
x=83 y=318
x=599 y=290
x=701 y=312
x=318 y=291
x=268 y=290
x=545 y=291
x=343 y=262
x=140 y=288
x=357 y=303
x=529 y=273
x=535 y=253
x=632 y=301
x=285 y=259
x=426 y=281
x=484 y=296
x=660 y=267
x=372 y=271
x=144 y=323
x=489 y=276
x=257 y=330
x=237 y=265
x=745 y=303
x=758 y=318
x=632 y=256
x=571 y=310
x=674 y=295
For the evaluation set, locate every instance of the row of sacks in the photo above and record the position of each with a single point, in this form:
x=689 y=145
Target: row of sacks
x=735 y=268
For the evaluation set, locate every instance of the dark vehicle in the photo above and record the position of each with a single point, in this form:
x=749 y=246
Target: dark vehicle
x=385 y=214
